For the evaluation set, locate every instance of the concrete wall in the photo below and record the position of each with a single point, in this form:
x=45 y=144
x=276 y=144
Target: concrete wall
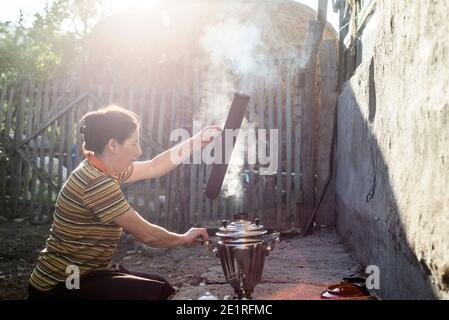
x=393 y=121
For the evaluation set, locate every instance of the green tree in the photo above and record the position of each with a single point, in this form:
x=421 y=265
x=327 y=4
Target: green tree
x=52 y=45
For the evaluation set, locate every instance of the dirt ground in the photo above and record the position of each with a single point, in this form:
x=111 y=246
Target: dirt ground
x=298 y=269
x=21 y=242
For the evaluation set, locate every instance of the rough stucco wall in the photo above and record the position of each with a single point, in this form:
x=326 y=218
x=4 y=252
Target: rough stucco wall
x=402 y=121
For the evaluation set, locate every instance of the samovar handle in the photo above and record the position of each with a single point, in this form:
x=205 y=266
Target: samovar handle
x=275 y=239
x=211 y=247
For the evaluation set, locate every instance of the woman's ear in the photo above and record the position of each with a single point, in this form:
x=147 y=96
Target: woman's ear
x=112 y=145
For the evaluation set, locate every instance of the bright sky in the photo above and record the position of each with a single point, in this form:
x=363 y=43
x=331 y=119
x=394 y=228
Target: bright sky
x=9 y=9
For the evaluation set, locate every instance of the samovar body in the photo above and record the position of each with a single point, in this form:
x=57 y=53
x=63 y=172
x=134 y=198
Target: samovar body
x=242 y=248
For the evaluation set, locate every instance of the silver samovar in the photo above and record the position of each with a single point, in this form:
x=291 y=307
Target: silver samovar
x=242 y=247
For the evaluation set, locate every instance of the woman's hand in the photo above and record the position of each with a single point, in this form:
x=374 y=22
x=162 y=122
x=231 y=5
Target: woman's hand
x=194 y=236
x=206 y=135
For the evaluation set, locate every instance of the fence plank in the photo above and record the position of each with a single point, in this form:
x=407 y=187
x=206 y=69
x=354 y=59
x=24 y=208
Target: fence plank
x=34 y=153
x=195 y=99
x=17 y=172
x=3 y=172
x=51 y=141
x=143 y=92
x=10 y=113
x=62 y=136
x=279 y=184
x=79 y=112
x=261 y=121
x=52 y=99
x=42 y=146
x=288 y=119
x=252 y=202
x=270 y=95
x=4 y=89
x=298 y=191
x=69 y=138
x=160 y=131
x=169 y=177
x=176 y=185
x=127 y=101
x=29 y=120
x=151 y=185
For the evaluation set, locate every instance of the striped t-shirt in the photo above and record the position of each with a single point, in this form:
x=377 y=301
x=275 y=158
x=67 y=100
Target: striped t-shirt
x=83 y=233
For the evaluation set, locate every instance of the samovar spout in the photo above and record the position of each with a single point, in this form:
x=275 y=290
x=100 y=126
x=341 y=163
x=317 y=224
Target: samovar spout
x=272 y=241
x=211 y=247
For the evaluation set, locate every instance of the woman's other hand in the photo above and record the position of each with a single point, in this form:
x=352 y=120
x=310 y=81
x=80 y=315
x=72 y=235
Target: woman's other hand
x=207 y=135
x=195 y=236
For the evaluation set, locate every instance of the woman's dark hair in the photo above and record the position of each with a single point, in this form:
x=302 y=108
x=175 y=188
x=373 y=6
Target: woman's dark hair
x=112 y=122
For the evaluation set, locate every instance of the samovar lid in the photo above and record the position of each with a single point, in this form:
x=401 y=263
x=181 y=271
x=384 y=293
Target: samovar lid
x=241 y=227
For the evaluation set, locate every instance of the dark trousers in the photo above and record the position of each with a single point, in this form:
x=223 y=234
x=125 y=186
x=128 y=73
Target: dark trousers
x=110 y=285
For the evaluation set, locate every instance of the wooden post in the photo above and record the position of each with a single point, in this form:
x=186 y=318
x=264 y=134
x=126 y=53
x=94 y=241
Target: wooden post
x=327 y=78
x=322 y=11
x=308 y=126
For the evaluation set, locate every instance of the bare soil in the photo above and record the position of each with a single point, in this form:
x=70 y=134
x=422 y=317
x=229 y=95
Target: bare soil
x=21 y=242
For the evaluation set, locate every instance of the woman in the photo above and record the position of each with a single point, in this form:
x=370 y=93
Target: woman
x=91 y=212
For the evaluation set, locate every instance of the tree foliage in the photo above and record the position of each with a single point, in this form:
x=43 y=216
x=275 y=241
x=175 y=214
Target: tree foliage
x=52 y=45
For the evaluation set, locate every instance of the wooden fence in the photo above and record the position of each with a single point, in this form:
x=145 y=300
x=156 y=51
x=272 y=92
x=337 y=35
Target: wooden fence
x=41 y=146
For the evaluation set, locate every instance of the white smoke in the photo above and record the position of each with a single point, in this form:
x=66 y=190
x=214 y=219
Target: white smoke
x=234 y=45
x=237 y=57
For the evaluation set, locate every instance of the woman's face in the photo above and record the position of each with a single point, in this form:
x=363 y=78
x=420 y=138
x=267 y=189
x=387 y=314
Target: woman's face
x=128 y=151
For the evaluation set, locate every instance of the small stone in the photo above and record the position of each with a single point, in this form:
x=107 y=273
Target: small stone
x=138 y=263
x=20 y=219
x=126 y=258
x=130 y=251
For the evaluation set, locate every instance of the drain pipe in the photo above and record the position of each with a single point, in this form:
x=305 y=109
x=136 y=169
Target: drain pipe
x=312 y=219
